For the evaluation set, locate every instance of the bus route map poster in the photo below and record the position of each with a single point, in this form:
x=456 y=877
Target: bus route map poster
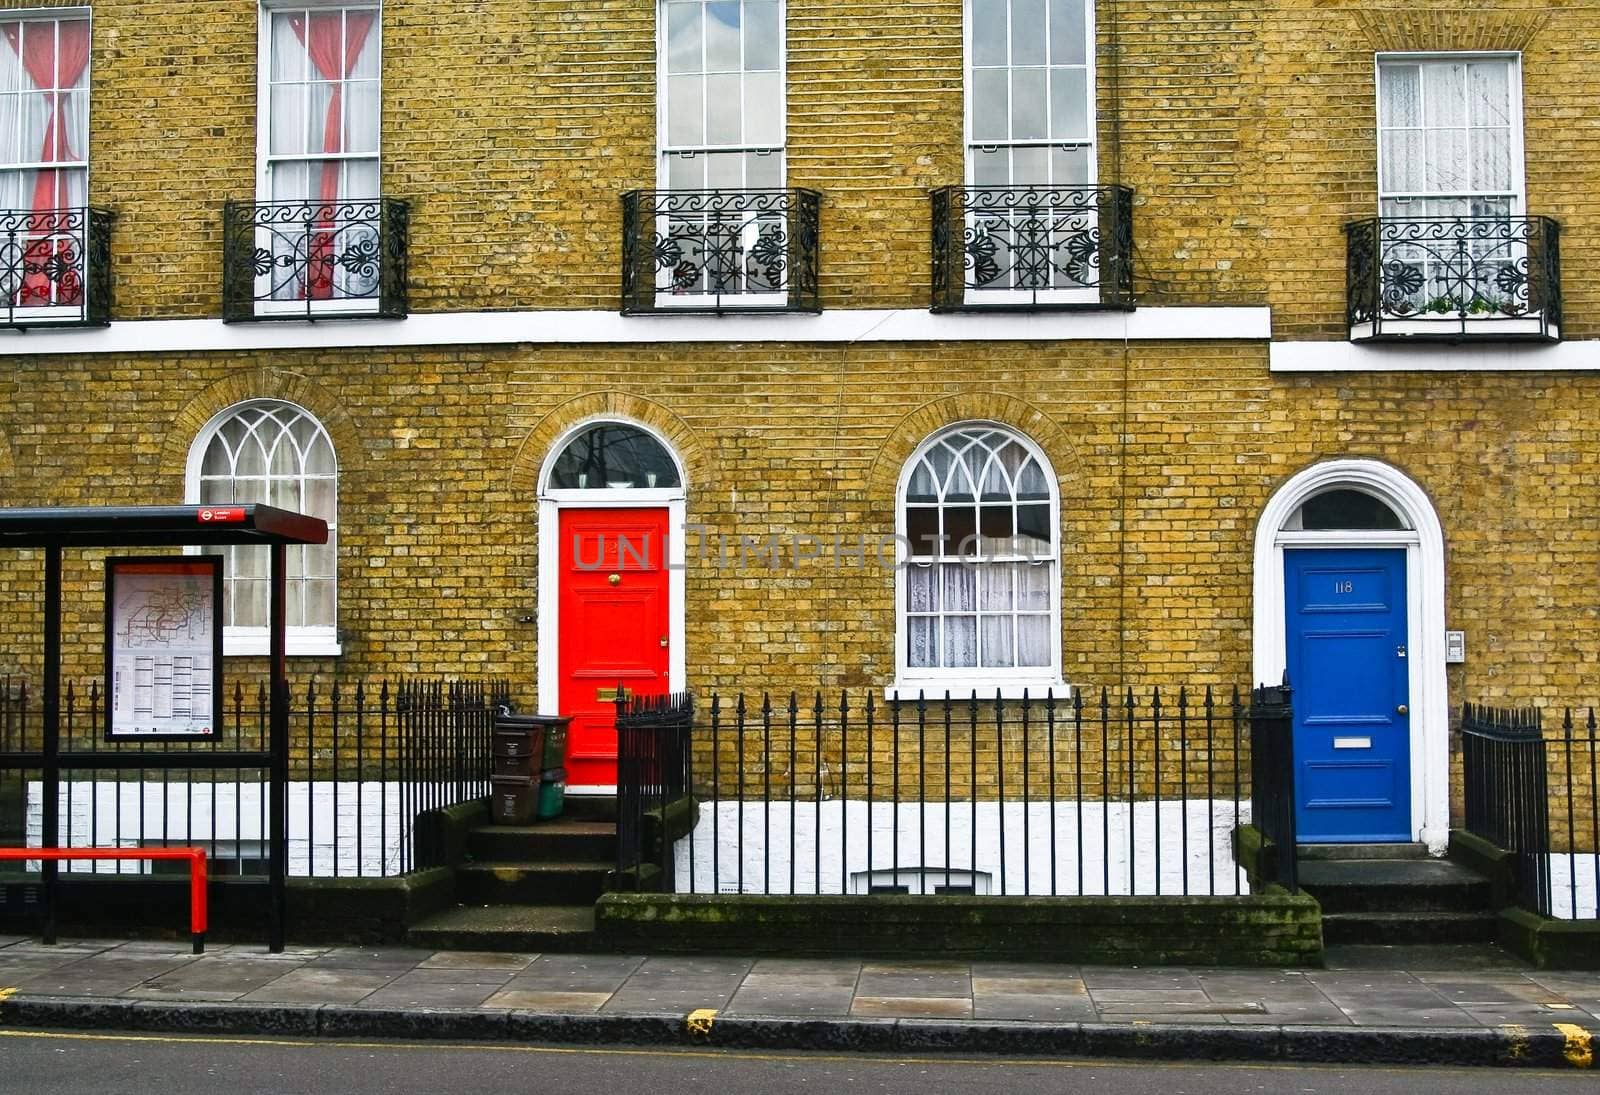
x=164 y=648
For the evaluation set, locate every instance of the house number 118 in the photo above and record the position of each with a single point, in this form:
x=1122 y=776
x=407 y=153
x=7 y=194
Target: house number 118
x=1344 y=585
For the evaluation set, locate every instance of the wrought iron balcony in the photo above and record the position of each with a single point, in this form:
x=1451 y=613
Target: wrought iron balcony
x=55 y=267
x=720 y=251
x=314 y=259
x=1032 y=248
x=1453 y=278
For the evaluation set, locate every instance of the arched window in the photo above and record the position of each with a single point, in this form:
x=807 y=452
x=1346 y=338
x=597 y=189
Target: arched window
x=273 y=453
x=1344 y=508
x=614 y=456
x=979 y=591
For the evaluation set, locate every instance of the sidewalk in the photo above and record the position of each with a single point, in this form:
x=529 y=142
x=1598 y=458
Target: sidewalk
x=1481 y=1009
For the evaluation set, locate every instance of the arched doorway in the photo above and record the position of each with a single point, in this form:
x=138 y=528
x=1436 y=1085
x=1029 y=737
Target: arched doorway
x=612 y=500
x=1349 y=602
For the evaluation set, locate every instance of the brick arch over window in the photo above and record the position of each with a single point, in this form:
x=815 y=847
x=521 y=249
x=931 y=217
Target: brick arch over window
x=1448 y=29
x=535 y=448
x=264 y=384
x=914 y=429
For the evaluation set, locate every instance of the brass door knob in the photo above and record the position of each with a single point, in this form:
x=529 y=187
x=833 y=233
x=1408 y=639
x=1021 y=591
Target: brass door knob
x=663 y=642
x=615 y=579
x=1402 y=710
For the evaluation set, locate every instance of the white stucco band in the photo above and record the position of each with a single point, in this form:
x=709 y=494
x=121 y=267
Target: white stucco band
x=594 y=327
x=1423 y=542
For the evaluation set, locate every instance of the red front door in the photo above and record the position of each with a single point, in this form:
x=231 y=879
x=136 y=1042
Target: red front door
x=614 y=615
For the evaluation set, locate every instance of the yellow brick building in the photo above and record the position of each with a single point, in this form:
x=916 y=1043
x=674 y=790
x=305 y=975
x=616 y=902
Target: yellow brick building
x=1189 y=359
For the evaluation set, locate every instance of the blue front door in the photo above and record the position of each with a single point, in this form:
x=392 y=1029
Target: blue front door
x=1348 y=667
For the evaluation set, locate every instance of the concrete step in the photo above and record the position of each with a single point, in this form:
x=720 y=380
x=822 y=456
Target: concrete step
x=1430 y=885
x=590 y=807
x=566 y=929
x=1393 y=928
x=561 y=839
x=1309 y=852
x=554 y=882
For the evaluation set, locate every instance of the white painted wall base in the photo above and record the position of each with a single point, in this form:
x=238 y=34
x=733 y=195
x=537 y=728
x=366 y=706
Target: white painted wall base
x=130 y=815
x=709 y=859
x=1572 y=892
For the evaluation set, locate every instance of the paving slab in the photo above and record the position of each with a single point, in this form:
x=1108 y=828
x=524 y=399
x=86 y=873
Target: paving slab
x=1427 y=1013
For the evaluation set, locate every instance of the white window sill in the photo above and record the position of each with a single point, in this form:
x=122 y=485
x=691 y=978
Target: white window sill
x=1013 y=689
x=255 y=645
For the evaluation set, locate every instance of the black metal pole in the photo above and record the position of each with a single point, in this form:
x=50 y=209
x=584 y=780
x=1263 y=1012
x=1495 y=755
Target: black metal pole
x=51 y=807
x=278 y=789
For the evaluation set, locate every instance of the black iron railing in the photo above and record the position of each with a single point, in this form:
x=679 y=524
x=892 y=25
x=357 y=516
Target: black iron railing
x=997 y=247
x=1490 y=278
x=314 y=259
x=1538 y=797
x=652 y=779
x=364 y=763
x=55 y=267
x=1038 y=796
x=1272 y=781
x=720 y=250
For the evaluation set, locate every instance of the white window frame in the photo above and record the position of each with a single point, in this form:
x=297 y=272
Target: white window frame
x=1516 y=196
x=1002 y=297
x=265 y=159
x=665 y=151
x=63 y=313
x=299 y=641
x=934 y=682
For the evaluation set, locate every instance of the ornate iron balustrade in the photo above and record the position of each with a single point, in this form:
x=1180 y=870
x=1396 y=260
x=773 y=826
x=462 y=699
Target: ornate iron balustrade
x=55 y=267
x=314 y=259
x=1490 y=278
x=720 y=251
x=1032 y=248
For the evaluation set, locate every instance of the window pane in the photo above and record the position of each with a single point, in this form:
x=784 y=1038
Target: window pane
x=1489 y=93
x=1347 y=509
x=961 y=642
x=319 y=603
x=288 y=55
x=1069 y=103
x=989 y=98
x=1068 y=41
x=685 y=111
x=988 y=32
x=249 y=604
x=1033 y=640
x=1400 y=96
x=922 y=529
x=1401 y=155
x=361 y=117
x=1027 y=104
x=686 y=172
x=1447 y=170
x=613 y=453
x=763 y=109
x=725 y=170
x=762 y=36
x=994 y=588
x=722 y=36
x=958 y=587
x=1033 y=522
x=723 y=110
x=1033 y=586
x=1069 y=166
x=1027 y=32
x=1491 y=159
x=995 y=527
x=923 y=648
x=320 y=559
x=683 y=37
x=763 y=171
x=922 y=593
x=992 y=167
x=960 y=530
x=1444 y=95
x=996 y=652
x=216 y=492
x=318 y=499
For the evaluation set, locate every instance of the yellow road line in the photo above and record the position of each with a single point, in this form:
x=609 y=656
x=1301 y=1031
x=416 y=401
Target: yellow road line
x=1579 y=1050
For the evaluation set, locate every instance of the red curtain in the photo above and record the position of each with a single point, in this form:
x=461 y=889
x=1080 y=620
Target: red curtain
x=322 y=39
x=38 y=53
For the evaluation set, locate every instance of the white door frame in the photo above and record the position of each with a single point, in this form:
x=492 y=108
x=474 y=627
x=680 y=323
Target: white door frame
x=1423 y=543
x=551 y=503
